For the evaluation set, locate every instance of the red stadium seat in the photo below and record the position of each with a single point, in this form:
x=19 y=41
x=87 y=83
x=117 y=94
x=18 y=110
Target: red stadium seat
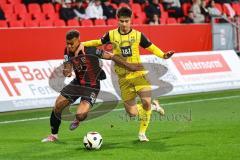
x=32 y=23
x=164 y=14
x=7 y=8
x=34 y=8
x=219 y=7
x=114 y=6
x=185 y=8
x=137 y=10
x=3 y=24
x=143 y=17
x=39 y=16
x=73 y=22
x=112 y=22
x=20 y=8
x=162 y=20
x=100 y=22
x=180 y=20
x=3 y=2
x=10 y=16
x=14 y=24
x=161 y=8
x=236 y=7
x=57 y=7
x=24 y=16
x=48 y=8
x=14 y=1
x=171 y=21
x=59 y=23
x=86 y=22
x=53 y=16
x=46 y=23
x=137 y=21
x=123 y=5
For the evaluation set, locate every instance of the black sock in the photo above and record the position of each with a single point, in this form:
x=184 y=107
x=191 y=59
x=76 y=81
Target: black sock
x=55 y=122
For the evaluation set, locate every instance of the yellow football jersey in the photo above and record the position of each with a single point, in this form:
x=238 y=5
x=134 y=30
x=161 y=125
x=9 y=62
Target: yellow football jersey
x=127 y=45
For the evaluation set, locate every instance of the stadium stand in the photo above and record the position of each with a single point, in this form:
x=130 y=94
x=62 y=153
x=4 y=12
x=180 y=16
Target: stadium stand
x=47 y=14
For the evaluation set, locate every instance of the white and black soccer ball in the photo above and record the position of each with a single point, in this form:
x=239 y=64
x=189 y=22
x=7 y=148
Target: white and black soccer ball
x=92 y=140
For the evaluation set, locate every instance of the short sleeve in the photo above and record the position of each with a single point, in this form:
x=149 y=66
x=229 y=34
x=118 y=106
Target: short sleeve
x=105 y=39
x=144 y=41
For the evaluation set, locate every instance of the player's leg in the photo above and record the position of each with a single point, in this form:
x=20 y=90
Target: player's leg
x=131 y=107
x=145 y=96
x=86 y=103
x=55 y=118
x=134 y=109
x=81 y=114
x=68 y=95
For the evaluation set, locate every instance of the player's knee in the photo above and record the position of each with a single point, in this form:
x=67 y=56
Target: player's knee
x=60 y=104
x=132 y=113
x=147 y=105
x=81 y=116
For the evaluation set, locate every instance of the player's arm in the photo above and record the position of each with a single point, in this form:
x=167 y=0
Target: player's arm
x=119 y=60
x=95 y=43
x=67 y=66
x=148 y=45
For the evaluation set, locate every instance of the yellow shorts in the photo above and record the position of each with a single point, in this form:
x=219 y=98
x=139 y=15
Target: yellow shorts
x=130 y=87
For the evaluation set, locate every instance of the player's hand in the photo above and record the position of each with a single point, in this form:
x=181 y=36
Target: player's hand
x=134 y=67
x=168 y=54
x=80 y=48
x=67 y=72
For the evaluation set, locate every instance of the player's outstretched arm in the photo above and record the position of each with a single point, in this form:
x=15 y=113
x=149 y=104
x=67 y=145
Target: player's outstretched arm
x=120 y=61
x=92 y=43
x=156 y=51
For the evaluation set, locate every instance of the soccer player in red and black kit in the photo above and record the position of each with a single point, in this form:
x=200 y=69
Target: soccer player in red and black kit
x=86 y=84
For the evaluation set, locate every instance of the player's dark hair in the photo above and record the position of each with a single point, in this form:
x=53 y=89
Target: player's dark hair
x=72 y=34
x=124 y=12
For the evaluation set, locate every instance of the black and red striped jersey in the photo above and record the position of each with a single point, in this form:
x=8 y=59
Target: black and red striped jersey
x=86 y=66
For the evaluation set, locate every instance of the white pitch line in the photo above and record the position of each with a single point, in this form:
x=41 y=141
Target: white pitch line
x=121 y=109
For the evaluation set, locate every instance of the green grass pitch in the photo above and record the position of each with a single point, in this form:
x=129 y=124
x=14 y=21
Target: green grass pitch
x=196 y=126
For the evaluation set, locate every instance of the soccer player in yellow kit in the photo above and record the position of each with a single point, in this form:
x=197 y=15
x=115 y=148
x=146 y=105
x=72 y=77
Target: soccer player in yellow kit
x=126 y=42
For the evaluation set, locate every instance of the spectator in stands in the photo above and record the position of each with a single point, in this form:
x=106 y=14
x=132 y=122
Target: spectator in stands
x=198 y=17
x=139 y=1
x=94 y=10
x=152 y=8
x=108 y=10
x=227 y=4
x=204 y=10
x=117 y=2
x=154 y=20
x=57 y=1
x=173 y=7
x=2 y=15
x=79 y=10
x=36 y=1
x=189 y=18
x=66 y=12
x=212 y=10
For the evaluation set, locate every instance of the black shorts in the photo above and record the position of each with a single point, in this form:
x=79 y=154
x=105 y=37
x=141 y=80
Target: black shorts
x=74 y=90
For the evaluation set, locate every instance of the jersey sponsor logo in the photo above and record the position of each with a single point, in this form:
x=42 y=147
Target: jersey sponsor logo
x=200 y=64
x=126 y=51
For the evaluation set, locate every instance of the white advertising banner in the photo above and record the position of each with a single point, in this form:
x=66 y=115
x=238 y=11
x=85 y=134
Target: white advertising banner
x=26 y=85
